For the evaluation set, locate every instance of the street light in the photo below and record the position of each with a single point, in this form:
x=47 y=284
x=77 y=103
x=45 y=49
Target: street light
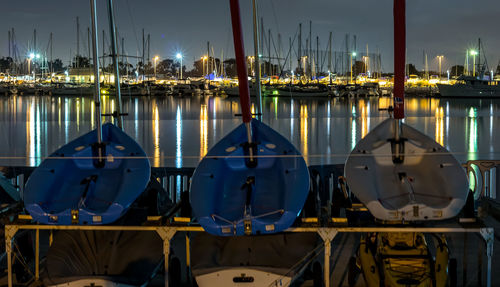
x=30 y=58
x=353 y=54
x=179 y=57
x=155 y=59
x=203 y=59
x=440 y=58
x=251 y=58
x=473 y=53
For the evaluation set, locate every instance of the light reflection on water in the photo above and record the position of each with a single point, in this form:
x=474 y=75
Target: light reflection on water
x=180 y=131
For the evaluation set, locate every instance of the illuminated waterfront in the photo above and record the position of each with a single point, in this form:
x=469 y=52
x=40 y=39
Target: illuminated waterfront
x=178 y=131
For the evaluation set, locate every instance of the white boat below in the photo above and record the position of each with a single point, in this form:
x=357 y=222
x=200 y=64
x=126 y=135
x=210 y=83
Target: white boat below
x=242 y=276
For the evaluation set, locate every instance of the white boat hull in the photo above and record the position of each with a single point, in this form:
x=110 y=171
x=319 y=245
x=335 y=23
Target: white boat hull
x=91 y=282
x=469 y=91
x=430 y=184
x=247 y=277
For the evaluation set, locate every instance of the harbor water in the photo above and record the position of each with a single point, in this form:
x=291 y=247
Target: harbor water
x=178 y=131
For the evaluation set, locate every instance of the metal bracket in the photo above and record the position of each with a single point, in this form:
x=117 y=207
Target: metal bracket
x=166 y=233
x=327 y=234
x=10 y=232
x=489 y=237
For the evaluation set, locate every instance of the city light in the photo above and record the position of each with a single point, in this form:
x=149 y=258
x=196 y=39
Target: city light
x=473 y=52
x=179 y=57
x=32 y=55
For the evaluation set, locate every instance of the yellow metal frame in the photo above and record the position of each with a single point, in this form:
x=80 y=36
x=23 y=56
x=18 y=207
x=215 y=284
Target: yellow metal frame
x=166 y=233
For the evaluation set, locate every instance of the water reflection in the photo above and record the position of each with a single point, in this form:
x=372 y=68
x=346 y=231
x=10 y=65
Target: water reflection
x=33 y=127
x=304 y=129
x=439 y=136
x=156 y=135
x=203 y=131
x=178 y=137
x=472 y=134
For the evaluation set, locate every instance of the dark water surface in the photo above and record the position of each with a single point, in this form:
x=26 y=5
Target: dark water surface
x=178 y=131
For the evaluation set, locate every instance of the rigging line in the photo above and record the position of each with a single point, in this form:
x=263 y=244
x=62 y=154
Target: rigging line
x=133 y=25
x=288 y=53
x=275 y=17
x=304 y=261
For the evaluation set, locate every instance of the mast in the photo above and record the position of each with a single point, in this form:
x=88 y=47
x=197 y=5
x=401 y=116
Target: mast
x=208 y=59
x=290 y=53
x=258 y=91
x=103 y=56
x=97 y=89
x=143 y=55
x=262 y=34
x=114 y=55
x=309 y=58
x=51 y=63
x=317 y=58
x=330 y=53
x=242 y=72
x=122 y=56
x=479 y=72
x=149 y=46
x=88 y=41
x=269 y=71
x=9 y=42
x=399 y=58
x=300 y=49
x=77 y=39
x=34 y=41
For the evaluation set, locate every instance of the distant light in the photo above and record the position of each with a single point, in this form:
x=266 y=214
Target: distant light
x=473 y=52
x=32 y=55
x=66 y=72
x=38 y=56
x=354 y=54
x=156 y=58
x=178 y=56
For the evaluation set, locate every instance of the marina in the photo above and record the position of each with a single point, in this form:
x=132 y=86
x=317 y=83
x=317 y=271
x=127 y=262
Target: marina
x=309 y=164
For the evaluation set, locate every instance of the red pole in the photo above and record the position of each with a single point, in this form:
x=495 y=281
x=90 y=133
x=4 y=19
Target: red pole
x=399 y=57
x=241 y=64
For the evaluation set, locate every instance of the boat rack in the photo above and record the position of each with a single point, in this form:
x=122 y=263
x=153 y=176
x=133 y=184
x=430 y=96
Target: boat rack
x=166 y=233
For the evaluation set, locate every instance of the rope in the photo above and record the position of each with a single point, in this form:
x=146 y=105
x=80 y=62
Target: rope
x=302 y=262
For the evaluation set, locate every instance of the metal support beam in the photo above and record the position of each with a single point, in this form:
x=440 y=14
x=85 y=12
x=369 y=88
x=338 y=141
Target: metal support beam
x=327 y=234
x=166 y=234
x=489 y=238
x=37 y=254
x=10 y=232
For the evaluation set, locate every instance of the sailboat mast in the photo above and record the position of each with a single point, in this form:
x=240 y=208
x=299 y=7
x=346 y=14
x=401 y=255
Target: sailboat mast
x=242 y=72
x=114 y=55
x=399 y=57
x=97 y=88
x=258 y=91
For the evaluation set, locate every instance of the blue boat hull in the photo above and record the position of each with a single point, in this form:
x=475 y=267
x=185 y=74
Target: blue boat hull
x=220 y=194
x=68 y=188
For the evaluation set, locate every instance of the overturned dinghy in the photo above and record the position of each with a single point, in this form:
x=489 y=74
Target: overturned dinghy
x=95 y=178
x=71 y=187
x=227 y=194
x=398 y=172
x=425 y=182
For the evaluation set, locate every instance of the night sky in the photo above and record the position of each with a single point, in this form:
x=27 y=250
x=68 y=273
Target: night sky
x=438 y=27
